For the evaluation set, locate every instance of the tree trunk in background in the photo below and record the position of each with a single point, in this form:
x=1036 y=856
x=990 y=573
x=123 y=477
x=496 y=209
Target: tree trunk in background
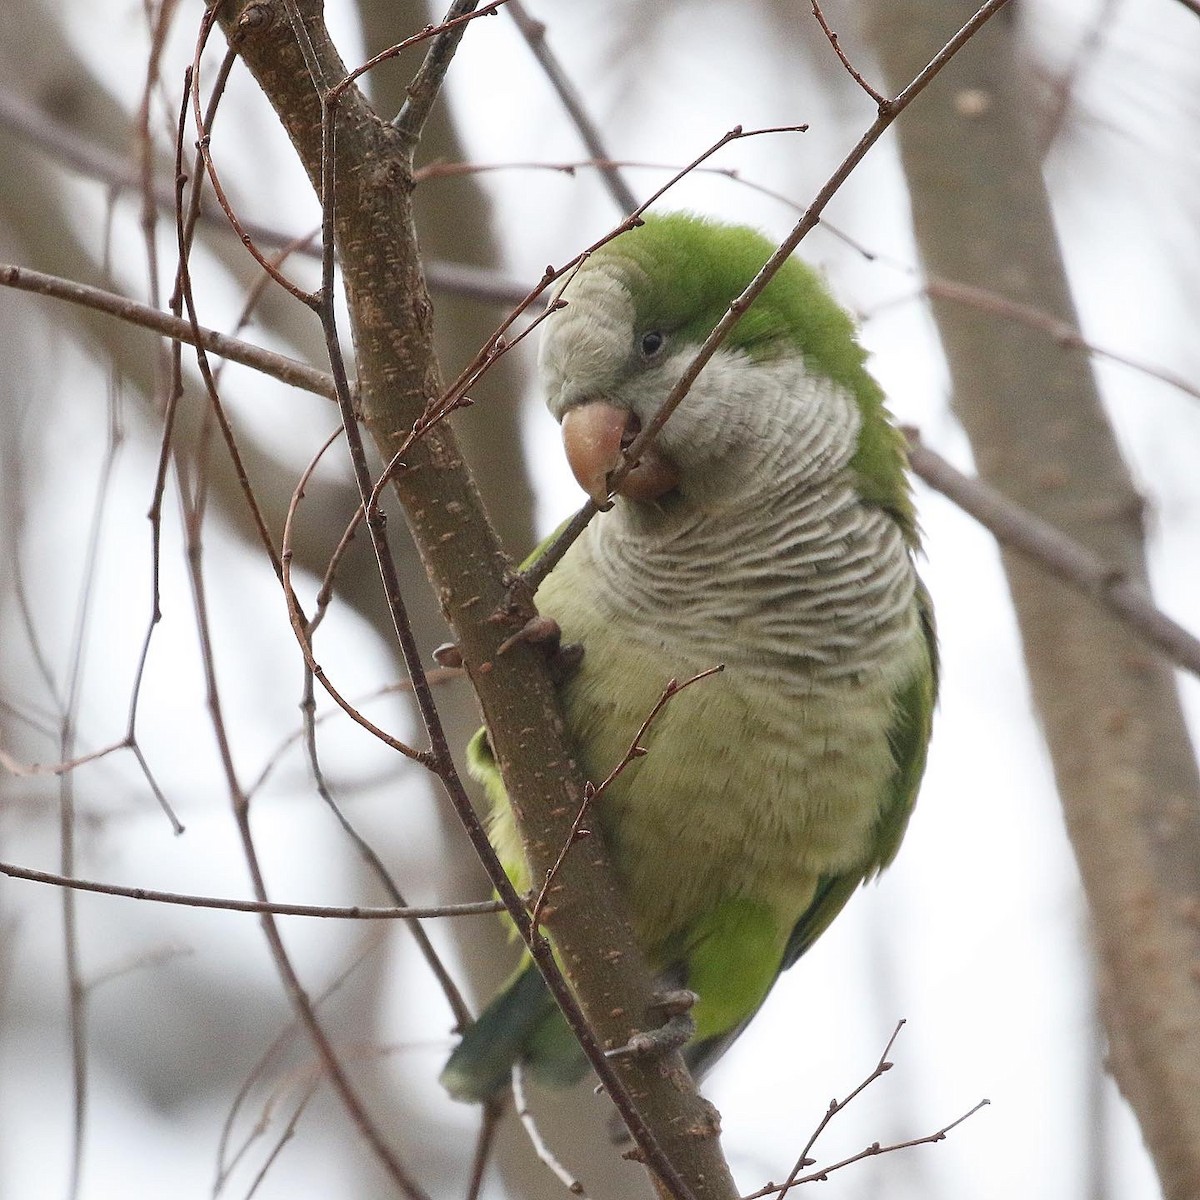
x=1125 y=768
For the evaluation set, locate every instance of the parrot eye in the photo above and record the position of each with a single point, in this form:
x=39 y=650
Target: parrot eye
x=652 y=344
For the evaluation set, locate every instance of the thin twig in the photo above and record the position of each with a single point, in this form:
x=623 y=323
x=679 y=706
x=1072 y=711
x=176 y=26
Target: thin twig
x=592 y=793
x=529 y=1124
x=534 y=33
x=31 y=770
x=1085 y=53
x=447 y=26
x=489 y=1126
x=549 y=558
x=836 y=1106
x=277 y=366
x=353 y=912
x=889 y=110
x=154 y=956
x=1065 y=558
x=437 y=677
x=427 y=83
x=217 y=406
x=226 y=1163
x=837 y=49
x=77 y=992
x=204 y=147
x=302 y=627
x=375 y=864
x=289 y=1131
x=871 y=1151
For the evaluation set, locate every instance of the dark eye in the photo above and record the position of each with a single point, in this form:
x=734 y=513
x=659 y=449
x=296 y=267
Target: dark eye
x=652 y=343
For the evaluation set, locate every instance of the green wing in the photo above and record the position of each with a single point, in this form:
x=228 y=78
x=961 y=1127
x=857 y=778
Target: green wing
x=909 y=739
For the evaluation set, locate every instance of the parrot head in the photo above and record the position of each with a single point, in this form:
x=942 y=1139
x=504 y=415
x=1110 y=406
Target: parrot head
x=634 y=314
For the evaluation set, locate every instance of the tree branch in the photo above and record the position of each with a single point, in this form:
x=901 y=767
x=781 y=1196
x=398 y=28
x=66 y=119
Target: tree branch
x=353 y=912
x=1017 y=528
x=483 y=600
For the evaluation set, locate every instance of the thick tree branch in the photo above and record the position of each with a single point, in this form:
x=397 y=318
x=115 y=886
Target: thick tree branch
x=391 y=321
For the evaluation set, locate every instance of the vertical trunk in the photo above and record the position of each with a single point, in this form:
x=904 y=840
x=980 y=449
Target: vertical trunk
x=1125 y=768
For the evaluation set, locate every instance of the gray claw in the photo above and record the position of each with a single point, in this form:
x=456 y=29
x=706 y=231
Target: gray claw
x=676 y=1031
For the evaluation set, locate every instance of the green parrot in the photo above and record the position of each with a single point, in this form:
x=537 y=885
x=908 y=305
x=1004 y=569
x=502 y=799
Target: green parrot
x=769 y=528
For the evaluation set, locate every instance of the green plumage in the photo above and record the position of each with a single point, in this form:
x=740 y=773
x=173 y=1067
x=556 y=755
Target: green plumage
x=771 y=791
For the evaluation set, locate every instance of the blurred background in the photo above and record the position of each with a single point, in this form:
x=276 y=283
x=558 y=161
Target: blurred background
x=147 y=1050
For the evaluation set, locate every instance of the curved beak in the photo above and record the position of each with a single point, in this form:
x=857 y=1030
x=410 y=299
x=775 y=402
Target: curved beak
x=595 y=434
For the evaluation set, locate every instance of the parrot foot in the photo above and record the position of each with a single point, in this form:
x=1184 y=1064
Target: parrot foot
x=546 y=633
x=676 y=1031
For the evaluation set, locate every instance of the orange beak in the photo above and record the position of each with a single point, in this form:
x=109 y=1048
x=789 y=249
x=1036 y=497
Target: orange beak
x=594 y=435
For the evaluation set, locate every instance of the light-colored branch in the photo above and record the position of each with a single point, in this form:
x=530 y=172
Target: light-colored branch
x=543 y=1151
x=1017 y=528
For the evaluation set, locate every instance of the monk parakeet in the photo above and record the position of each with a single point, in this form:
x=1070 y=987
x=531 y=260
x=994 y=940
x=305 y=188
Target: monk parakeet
x=770 y=528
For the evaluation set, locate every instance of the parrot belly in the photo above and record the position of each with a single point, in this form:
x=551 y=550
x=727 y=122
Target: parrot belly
x=760 y=784
x=754 y=786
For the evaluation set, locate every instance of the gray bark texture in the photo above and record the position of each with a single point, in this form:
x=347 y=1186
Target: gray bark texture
x=1125 y=768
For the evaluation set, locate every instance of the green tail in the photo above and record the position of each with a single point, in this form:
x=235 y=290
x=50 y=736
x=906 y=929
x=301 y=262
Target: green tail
x=521 y=1024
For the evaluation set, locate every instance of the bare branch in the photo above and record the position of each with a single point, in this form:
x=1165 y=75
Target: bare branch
x=534 y=33
x=888 y=111
x=30 y=770
x=353 y=912
x=872 y=1151
x=878 y=97
x=277 y=366
x=1062 y=556
x=836 y=1106
x=427 y=82
x=593 y=793
x=544 y=1153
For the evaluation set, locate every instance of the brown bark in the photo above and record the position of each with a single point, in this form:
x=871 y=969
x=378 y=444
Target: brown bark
x=391 y=322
